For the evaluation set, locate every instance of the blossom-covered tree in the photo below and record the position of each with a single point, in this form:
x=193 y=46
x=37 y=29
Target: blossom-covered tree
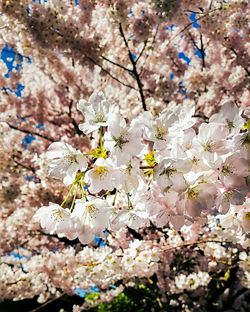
x=125 y=154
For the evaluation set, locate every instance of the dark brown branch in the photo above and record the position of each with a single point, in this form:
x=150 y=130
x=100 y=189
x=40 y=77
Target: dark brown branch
x=200 y=49
x=102 y=68
x=23 y=165
x=31 y=132
x=192 y=11
x=116 y=64
x=190 y=24
x=236 y=54
x=147 y=167
x=47 y=303
x=141 y=53
x=135 y=234
x=134 y=71
x=111 y=75
x=74 y=123
x=150 y=48
x=210 y=5
x=15 y=53
x=14 y=283
x=197 y=244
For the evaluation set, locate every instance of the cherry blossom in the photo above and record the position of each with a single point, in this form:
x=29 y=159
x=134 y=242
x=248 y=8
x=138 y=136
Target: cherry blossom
x=144 y=109
x=123 y=143
x=55 y=219
x=103 y=176
x=65 y=161
x=93 y=218
x=95 y=112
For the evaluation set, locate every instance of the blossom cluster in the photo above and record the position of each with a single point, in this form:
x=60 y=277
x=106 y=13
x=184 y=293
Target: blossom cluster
x=101 y=267
x=123 y=263
x=169 y=170
x=168 y=191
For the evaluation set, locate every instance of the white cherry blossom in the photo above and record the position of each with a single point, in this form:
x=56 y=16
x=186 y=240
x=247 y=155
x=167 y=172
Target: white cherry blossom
x=93 y=217
x=169 y=175
x=211 y=142
x=65 y=161
x=233 y=171
x=130 y=176
x=133 y=212
x=122 y=142
x=158 y=129
x=230 y=117
x=96 y=112
x=197 y=199
x=168 y=125
x=103 y=176
x=238 y=217
x=55 y=219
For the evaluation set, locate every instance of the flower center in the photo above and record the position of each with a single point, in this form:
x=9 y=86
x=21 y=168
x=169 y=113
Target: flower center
x=71 y=158
x=226 y=170
x=160 y=132
x=59 y=214
x=168 y=171
x=120 y=141
x=208 y=146
x=247 y=216
x=101 y=170
x=228 y=195
x=192 y=192
x=99 y=117
x=91 y=209
x=230 y=125
x=195 y=161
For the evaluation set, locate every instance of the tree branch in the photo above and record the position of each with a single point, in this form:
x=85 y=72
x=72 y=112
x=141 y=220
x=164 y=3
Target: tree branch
x=150 y=48
x=134 y=71
x=75 y=124
x=103 y=69
x=31 y=132
x=236 y=54
x=111 y=75
x=47 y=303
x=140 y=54
x=116 y=64
x=23 y=165
x=210 y=5
x=200 y=49
x=190 y=24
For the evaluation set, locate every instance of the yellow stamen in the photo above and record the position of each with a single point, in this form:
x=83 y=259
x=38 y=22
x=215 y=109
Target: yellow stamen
x=247 y=216
x=160 y=131
x=100 y=170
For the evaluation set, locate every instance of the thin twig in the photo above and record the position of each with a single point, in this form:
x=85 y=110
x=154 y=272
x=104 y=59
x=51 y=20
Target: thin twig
x=236 y=54
x=23 y=165
x=116 y=64
x=114 y=238
x=150 y=48
x=75 y=124
x=47 y=303
x=210 y=5
x=102 y=68
x=140 y=54
x=31 y=132
x=135 y=72
x=15 y=53
x=200 y=49
x=196 y=244
x=111 y=75
x=190 y=24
